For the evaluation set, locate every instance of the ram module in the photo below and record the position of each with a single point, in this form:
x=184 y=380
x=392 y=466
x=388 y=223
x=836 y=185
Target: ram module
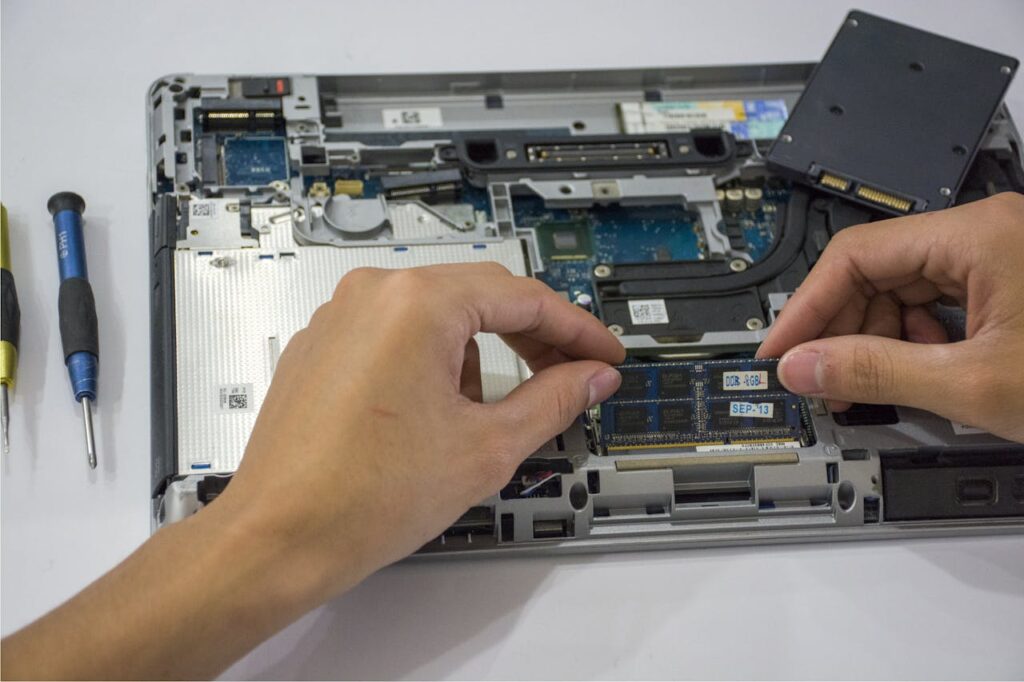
x=712 y=402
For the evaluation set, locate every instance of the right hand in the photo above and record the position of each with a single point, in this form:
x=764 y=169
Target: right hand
x=839 y=335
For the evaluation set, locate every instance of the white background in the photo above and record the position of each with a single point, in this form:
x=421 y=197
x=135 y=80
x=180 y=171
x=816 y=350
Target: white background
x=74 y=76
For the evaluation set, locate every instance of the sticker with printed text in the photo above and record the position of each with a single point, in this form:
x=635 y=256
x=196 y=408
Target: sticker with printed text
x=755 y=410
x=412 y=119
x=756 y=119
x=756 y=380
x=235 y=397
x=650 y=311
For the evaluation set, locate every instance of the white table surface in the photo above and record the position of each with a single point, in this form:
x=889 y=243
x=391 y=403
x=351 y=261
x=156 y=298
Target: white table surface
x=74 y=76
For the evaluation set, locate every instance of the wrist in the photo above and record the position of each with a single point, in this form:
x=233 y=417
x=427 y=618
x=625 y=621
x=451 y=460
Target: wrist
x=285 y=560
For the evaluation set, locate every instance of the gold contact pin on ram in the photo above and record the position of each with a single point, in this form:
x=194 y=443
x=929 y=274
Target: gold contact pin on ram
x=834 y=182
x=884 y=199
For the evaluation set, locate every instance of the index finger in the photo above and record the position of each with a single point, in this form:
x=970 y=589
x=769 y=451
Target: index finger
x=496 y=301
x=863 y=261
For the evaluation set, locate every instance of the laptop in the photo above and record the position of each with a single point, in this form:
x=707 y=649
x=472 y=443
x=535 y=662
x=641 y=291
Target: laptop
x=681 y=206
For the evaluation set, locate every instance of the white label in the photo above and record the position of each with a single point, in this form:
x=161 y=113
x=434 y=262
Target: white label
x=203 y=209
x=651 y=311
x=755 y=410
x=412 y=119
x=745 y=381
x=235 y=397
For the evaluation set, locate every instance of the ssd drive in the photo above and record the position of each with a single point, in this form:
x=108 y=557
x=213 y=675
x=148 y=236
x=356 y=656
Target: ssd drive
x=892 y=116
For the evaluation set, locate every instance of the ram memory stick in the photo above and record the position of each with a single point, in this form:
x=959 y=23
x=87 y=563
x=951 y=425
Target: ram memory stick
x=679 y=404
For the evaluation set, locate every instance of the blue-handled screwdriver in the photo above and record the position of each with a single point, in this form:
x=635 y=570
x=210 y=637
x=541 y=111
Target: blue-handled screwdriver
x=76 y=307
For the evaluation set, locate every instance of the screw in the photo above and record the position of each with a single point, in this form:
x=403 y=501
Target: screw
x=683 y=149
x=945 y=191
x=602 y=271
x=616 y=329
x=232 y=208
x=852 y=23
x=511 y=154
x=753 y=324
x=1005 y=70
x=737 y=265
x=220 y=262
x=787 y=138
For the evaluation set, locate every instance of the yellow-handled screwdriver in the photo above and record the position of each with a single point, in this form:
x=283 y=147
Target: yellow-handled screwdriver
x=10 y=327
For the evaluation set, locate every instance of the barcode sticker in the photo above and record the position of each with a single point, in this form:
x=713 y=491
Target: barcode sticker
x=203 y=209
x=650 y=311
x=745 y=381
x=756 y=410
x=235 y=397
x=411 y=119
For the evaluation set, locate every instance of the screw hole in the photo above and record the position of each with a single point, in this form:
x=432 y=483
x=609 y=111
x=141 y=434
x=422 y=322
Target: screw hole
x=846 y=496
x=578 y=496
x=194 y=233
x=175 y=87
x=836 y=110
x=959 y=150
x=579 y=125
x=302 y=98
x=565 y=189
x=916 y=66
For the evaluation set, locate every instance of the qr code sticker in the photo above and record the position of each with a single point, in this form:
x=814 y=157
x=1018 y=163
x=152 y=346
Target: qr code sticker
x=652 y=311
x=235 y=398
x=425 y=117
x=203 y=209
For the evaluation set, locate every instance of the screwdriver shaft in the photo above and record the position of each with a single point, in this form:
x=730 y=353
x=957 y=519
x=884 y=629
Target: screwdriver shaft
x=90 y=442
x=5 y=417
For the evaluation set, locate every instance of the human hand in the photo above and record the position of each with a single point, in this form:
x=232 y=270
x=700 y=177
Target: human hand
x=370 y=443
x=839 y=334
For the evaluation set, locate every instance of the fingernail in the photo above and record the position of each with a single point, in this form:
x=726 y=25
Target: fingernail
x=799 y=371
x=603 y=384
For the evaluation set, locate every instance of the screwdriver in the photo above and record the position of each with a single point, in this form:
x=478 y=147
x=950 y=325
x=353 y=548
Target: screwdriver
x=10 y=326
x=76 y=307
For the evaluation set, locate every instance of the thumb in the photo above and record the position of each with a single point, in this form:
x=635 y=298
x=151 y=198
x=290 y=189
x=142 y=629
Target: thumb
x=872 y=369
x=547 y=403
